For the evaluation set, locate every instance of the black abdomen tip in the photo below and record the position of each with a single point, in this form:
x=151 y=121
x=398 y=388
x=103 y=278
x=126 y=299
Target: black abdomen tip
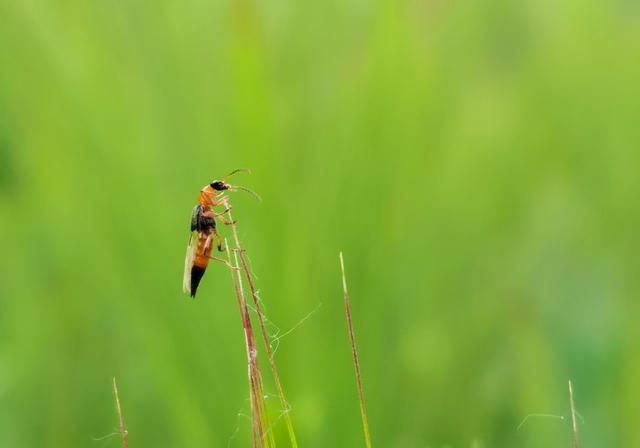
x=196 y=276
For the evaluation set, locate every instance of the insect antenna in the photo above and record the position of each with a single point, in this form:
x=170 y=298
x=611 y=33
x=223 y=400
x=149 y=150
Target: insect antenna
x=239 y=170
x=253 y=193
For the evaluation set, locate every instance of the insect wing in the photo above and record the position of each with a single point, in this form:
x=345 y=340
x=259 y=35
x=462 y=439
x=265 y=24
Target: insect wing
x=192 y=247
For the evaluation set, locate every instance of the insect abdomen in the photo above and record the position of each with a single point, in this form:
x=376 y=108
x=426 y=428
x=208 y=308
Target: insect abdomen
x=205 y=225
x=201 y=261
x=196 y=275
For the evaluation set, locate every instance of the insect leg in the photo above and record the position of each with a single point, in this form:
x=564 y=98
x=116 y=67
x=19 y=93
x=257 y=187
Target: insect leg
x=219 y=239
x=225 y=221
x=207 y=243
x=225 y=262
x=226 y=210
x=220 y=200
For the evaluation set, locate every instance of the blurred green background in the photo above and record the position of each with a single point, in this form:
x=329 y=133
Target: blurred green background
x=477 y=162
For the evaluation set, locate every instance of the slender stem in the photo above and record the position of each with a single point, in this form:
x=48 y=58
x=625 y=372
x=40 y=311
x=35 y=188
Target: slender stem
x=123 y=430
x=255 y=389
x=239 y=252
x=356 y=362
x=574 y=424
x=272 y=362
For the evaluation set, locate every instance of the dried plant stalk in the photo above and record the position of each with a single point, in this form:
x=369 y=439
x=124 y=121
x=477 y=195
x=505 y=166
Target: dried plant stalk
x=240 y=254
x=255 y=378
x=356 y=362
x=123 y=430
x=574 y=423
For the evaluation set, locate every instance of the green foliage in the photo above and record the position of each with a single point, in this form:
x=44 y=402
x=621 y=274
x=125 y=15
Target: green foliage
x=477 y=162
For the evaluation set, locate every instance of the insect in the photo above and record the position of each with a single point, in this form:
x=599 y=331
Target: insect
x=204 y=232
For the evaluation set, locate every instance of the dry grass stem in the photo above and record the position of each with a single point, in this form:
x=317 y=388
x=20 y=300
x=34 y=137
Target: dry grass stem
x=356 y=362
x=574 y=424
x=239 y=255
x=254 y=376
x=123 y=430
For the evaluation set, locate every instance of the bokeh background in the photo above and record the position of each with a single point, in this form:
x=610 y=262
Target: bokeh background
x=477 y=162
